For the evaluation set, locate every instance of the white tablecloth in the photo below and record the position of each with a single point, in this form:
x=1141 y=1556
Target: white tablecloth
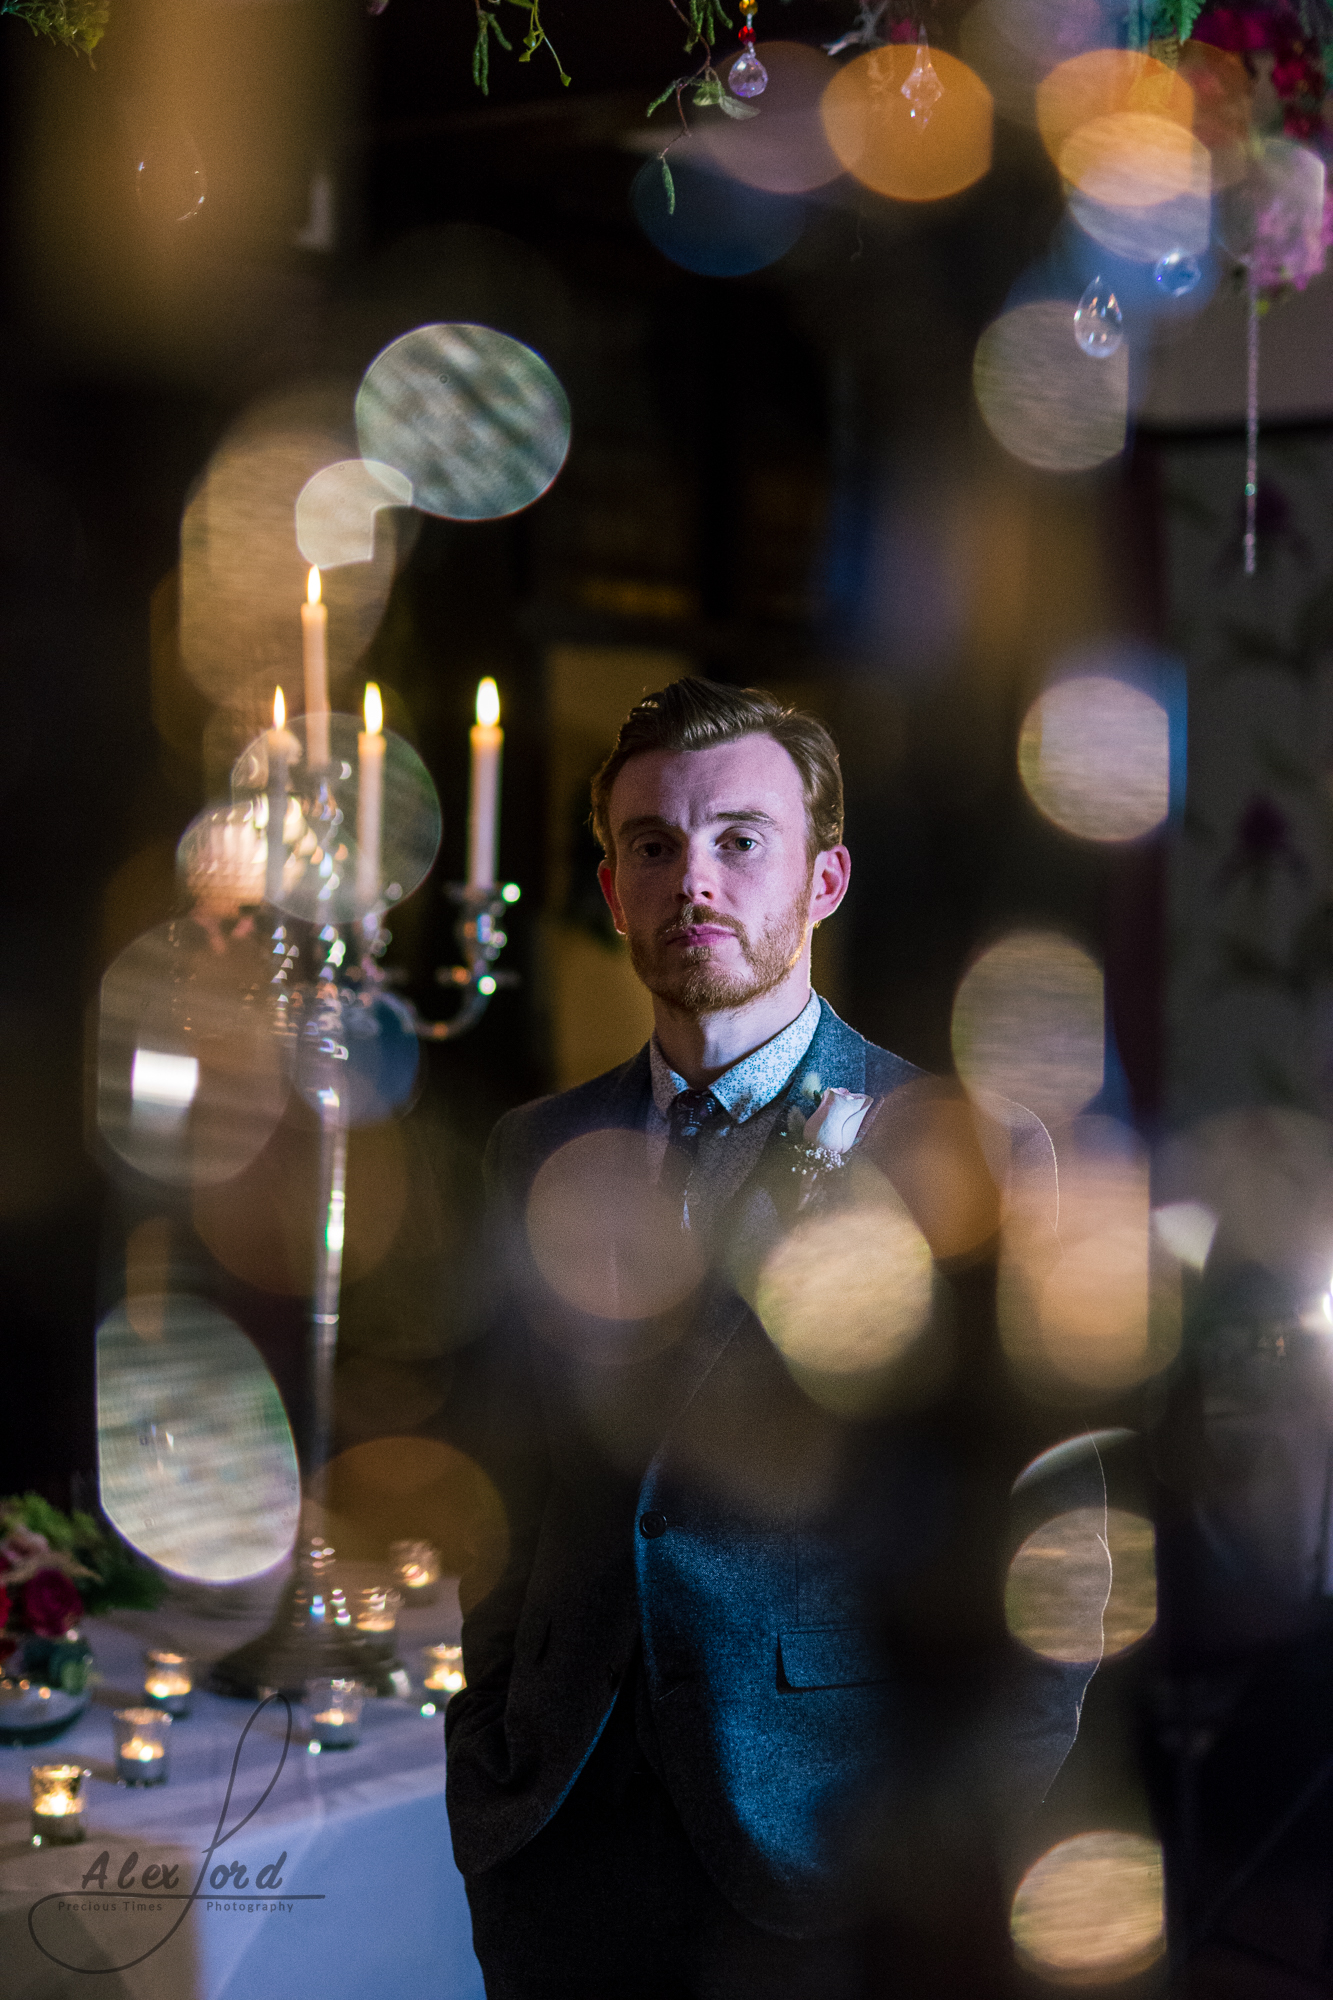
x=366 y=1904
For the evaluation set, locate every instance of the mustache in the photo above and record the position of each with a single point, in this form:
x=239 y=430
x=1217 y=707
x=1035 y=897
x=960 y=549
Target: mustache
x=699 y=914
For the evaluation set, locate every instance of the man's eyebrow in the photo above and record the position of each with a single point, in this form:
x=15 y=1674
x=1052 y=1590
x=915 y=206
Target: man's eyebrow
x=748 y=815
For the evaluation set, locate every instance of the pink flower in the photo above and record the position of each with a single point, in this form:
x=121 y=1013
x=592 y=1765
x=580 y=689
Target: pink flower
x=20 y=1546
x=51 y=1604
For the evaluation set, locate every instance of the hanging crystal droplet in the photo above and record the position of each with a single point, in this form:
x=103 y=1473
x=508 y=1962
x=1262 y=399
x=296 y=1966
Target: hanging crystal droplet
x=1098 y=321
x=747 y=76
x=1177 y=273
x=923 y=89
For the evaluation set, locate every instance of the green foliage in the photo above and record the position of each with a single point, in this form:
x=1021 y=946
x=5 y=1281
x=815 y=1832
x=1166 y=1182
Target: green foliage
x=536 y=37
x=79 y=24
x=669 y=184
x=705 y=21
x=487 y=25
x=113 y=1578
x=1179 y=16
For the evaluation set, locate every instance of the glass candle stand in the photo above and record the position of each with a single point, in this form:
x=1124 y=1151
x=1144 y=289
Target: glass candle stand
x=416 y=1571
x=444 y=1669
x=141 y=1745
x=376 y=1609
x=169 y=1681
x=57 y=1804
x=335 y=1713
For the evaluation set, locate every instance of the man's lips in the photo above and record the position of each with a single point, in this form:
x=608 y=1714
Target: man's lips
x=700 y=934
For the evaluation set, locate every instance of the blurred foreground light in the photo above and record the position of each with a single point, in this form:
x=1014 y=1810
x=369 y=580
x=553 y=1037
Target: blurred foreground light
x=1083 y=1587
x=1129 y=159
x=1104 y=84
x=190 y=1075
x=783 y=150
x=412 y=1487
x=222 y=856
x=1028 y=1024
x=846 y=1296
x=1095 y=756
x=196 y=1464
x=1264 y=1178
x=1187 y=1229
x=336 y=510
x=870 y=126
x=712 y=223
x=1178 y=227
x=605 y=1236
x=1091 y=1911
x=1012 y=44
x=1103 y=1311
x=1042 y=398
x=474 y=420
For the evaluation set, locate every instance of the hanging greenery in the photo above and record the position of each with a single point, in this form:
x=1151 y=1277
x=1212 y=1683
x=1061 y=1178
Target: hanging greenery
x=79 y=24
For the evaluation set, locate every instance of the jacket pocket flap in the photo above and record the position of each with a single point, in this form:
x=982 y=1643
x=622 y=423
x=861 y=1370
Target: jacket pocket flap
x=831 y=1656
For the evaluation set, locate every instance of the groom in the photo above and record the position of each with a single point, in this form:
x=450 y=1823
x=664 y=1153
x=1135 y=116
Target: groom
x=668 y=1771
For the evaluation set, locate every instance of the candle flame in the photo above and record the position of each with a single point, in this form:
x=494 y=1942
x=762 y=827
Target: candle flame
x=279 y=709
x=374 y=710
x=488 y=703
x=312 y=587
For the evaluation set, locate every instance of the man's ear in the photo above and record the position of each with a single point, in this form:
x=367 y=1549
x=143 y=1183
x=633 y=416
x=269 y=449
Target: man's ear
x=606 y=877
x=832 y=872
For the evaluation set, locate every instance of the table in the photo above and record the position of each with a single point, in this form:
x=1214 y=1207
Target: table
x=365 y=1901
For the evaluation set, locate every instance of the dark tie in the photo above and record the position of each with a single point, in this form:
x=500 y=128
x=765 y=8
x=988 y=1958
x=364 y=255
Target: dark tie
x=687 y=1114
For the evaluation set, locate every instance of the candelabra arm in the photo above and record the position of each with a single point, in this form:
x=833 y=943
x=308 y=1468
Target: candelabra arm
x=481 y=939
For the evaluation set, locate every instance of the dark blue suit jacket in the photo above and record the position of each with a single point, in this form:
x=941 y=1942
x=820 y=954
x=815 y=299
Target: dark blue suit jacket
x=772 y=1692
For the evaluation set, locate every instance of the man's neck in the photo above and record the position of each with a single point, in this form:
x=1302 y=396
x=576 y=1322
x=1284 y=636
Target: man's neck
x=700 y=1047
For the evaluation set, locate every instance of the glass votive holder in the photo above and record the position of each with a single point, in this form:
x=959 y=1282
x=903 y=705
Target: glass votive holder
x=141 y=1745
x=169 y=1680
x=375 y=1610
x=416 y=1571
x=335 y=1713
x=444 y=1669
x=57 y=1804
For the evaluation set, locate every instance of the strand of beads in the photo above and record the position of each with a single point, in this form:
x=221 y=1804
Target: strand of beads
x=747 y=76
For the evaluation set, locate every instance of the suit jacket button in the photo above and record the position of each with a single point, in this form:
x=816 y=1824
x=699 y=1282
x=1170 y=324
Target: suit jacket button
x=652 y=1525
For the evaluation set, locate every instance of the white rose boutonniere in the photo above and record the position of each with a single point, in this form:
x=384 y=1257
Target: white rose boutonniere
x=823 y=1140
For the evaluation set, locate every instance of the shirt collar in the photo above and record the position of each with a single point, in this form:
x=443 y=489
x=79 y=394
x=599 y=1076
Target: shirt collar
x=751 y=1083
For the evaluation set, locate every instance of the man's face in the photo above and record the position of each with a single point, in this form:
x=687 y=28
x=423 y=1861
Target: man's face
x=712 y=882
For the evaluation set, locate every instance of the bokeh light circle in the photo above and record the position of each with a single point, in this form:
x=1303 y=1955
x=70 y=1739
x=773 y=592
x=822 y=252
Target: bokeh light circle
x=1130 y=159
x=1045 y=400
x=848 y=1294
x=1095 y=756
x=1083 y=1586
x=191 y=1072
x=604 y=1235
x=785 y=149
x=1092 y=1910
x=1102 y=83
x=712 y=223
x=321 y=881
x=196 y=1464
x=474 y=419
x=871 y=129
x=337 y=507
x=1029 y=1024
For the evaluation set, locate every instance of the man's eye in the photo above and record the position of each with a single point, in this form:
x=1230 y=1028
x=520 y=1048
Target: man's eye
x=649 y=850
x=744 y=841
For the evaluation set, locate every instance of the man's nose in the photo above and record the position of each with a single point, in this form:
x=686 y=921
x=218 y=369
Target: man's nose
x=698 y=881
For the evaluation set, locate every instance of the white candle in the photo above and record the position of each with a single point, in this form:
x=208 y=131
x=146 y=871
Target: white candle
x=315 y=653
x=370 y=801
x=281 y=748
x=484 y=799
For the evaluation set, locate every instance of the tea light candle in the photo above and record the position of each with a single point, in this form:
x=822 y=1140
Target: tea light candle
x=169 y=1681
x=444 y=1669
x=335 y=1713
x=141 y=1745
x=377 y=1610
x=57 y=1804
x=416 y=1570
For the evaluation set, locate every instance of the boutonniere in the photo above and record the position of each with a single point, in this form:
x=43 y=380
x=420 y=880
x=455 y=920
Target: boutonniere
x=821 y=1142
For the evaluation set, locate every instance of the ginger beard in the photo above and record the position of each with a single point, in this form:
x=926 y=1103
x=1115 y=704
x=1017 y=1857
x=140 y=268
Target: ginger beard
x=689 y=977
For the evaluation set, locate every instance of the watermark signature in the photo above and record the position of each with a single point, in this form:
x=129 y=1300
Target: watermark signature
x=229 y=1887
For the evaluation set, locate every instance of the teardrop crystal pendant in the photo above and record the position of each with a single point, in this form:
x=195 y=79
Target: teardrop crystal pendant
x=1098 y=321
x=923 y=89
x=747 y=76
x=1177 y=273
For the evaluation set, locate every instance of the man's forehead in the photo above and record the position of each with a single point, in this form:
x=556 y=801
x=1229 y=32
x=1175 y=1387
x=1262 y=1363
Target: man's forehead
x=753 y=776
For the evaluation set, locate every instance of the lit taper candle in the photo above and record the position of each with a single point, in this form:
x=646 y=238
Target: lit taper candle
x=370 y=801
x=484 y=802
x=315 y=653
x=282 y=747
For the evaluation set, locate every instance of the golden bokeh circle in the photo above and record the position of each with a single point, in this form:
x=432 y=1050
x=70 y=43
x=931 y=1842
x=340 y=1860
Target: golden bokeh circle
x=870 y=126
x=1092 y=1910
